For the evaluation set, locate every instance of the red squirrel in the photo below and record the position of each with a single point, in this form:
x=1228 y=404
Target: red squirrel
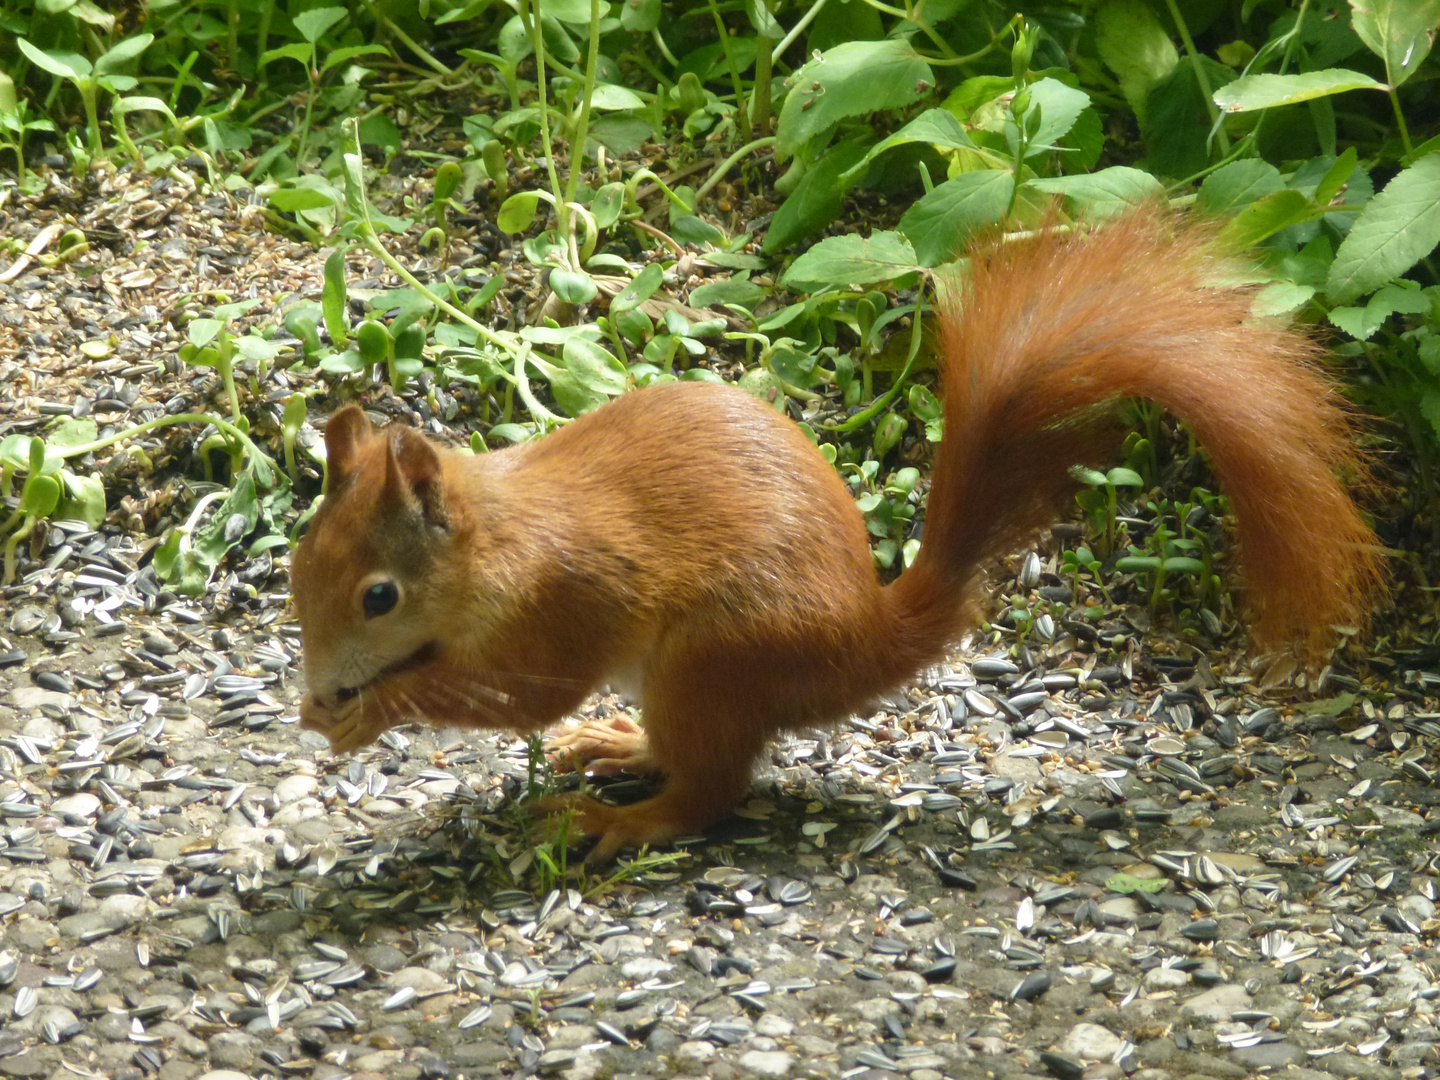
x=688 y=545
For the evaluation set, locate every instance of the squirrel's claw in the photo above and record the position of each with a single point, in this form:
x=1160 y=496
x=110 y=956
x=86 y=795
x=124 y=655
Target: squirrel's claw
x=602 y=747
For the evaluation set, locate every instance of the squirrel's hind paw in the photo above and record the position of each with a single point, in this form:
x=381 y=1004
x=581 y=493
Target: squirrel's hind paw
x=617 y=827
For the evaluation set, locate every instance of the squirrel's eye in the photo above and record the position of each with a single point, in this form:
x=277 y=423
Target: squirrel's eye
x=380 y=599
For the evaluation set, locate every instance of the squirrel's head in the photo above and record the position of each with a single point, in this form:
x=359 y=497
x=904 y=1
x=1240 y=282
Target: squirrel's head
x=368 y=579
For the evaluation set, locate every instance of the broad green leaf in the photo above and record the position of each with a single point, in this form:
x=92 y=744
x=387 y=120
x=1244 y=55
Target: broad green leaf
x=517 y=213
x=1102 y=194
x=291 y=200
x=254 y=347
x=202 y=331
x=943 y=220
x=1251 y=92
x=639 y=290
x=1123 y=477
x=1238 y=184
x=853 y=260
x=40 y=496
x=312 y=24
x=1400 y=32
x=87 y=498
x=1397 y=228
x=1361 y=323
x=573 y=287
x=122 y=52
x=337 y=57
x=1265 y=217
x=294 y=51
x=745 y=294
x=141 y=104
x=1280 y=298
x=72 y=431
x=575 y=12
x=853 y=79
x=1133 y=44
x=938 y=127
x=610 y=96
x=1060 y=107
x=65 y=65
x=815 y=202
x=590 y=378
x=640 y=16
x=607 y=204
x=1176 y=126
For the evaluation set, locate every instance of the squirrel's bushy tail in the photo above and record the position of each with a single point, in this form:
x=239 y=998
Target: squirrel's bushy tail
x=1046 y=333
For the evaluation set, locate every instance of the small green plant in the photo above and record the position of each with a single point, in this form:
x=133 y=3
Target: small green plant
x=89 y=79
x=1101 y=497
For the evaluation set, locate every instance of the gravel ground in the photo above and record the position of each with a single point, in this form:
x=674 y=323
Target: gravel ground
x=1101 y=859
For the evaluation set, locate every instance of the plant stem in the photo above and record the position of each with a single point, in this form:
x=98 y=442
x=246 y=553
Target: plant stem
x=1200 y=76
x=729 y=163
x=582 y=124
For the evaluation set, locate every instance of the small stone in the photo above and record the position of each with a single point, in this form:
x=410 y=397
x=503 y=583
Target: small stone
x=766 y=1062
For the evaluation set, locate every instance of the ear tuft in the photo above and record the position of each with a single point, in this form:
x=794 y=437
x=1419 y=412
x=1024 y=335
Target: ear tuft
x=413 y=472
x=344 y=432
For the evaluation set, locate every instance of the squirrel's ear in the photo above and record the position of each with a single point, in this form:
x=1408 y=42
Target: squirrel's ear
x=344 y=432
x=412 y=471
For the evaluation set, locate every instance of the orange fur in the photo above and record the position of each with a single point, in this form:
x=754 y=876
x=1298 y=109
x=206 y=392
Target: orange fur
x=688 y=544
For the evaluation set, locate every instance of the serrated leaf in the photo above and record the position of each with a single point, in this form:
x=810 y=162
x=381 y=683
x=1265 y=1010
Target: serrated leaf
x=1251 y=92
x=941 y=221
x=854 y=260
x=1102 y=194
x=1397 y=228
x=854 y=78
x=1400 y=32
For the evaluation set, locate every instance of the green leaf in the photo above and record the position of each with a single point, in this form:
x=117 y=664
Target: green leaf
x=640 y=16
x=65 y=65
x=758 y=11
x=39 y=496
x=1102 y=194
x=1060 y=107
x=941 y=221
x=87 y=498
x=815 y=202
x=854 y=78
x=639 y=290
x=1123 y=477
x=1128 y=883
x=590 y=378
x=1361 y=323
x=607 y=204
x=337 y=57
x=121 y=53
x=1336 y=177
x=1238 y=184
x=938 y=127
x=1134 y=45
x=1265 y=217
x=745 y=294
x=517 y=213
x=1251 y=92
x=141 y=104
x=853 y=260
x=332 y=299
x=1397 y=228
x=296 y=51
x=291 y=200
x=575 y=12
x=72 y=431
x=1400 y=32
x=1281 y=298
x=202 y=331
x=312 y=24
x=573 y=287
x=610 y=96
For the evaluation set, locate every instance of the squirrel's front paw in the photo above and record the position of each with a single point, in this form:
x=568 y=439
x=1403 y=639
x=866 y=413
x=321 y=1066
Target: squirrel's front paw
x=601 y=747
x=347 y=727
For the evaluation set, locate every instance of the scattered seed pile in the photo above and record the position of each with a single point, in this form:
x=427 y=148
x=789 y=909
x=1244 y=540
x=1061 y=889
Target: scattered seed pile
x=1065 y=865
